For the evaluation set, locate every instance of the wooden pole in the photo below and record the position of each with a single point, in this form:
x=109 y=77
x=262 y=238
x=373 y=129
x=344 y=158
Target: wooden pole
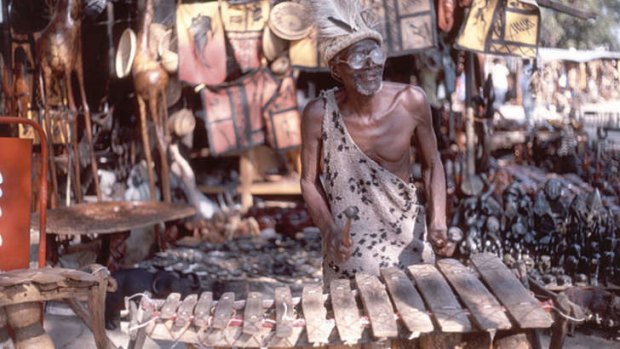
x=469 y=114
x=246 y=173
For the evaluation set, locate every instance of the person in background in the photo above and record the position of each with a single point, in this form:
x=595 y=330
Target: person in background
x=499 y=75
x=527 y=97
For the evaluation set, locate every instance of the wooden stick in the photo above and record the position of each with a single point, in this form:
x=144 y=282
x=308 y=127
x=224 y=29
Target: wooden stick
x=579 y=13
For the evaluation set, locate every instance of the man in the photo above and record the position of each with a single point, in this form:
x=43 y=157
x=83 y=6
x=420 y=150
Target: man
x=358 y=139
x=499 y=74
x=527 y=98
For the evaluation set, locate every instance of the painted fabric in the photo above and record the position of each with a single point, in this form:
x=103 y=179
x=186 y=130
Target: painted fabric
x=202 y=45
x=502 y=27
x=233 y=112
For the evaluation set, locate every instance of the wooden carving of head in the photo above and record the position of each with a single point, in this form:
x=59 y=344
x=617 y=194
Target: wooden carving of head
x=70 y=7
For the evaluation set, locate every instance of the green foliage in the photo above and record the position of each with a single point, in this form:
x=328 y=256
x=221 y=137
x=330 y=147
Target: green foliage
x=564 y=31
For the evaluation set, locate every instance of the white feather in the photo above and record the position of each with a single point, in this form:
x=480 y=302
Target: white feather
x=347 y=11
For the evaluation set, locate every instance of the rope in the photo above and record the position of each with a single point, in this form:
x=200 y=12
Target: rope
x=566 y=316
x=139 y=294
x=144 y=324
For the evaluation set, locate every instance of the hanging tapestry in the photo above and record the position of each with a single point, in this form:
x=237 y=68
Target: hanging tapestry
x=233 y=112
x=244 y=23
x=202 y=46
x=502 y=27
x=407 y=26
x=282 y=117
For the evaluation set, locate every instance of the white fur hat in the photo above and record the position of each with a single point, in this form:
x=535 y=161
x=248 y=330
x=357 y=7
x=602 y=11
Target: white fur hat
x=342 y=23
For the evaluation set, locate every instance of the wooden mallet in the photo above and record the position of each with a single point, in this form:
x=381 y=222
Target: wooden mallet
x=351 y=214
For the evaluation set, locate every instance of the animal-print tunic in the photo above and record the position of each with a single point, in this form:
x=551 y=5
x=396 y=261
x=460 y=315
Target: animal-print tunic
x=391 y=229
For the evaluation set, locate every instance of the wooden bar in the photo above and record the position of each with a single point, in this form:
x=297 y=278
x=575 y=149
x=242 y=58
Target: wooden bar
x=407 y=301
x=346 y=313
x=185 y=312
x=378 y=307
x=486 y=311
x=442 y=302
x=286 y=335
x=253 y=314
x=169 y=310
x=284 y=312
x=223 y=311
x=202 y=310
x=252 y=322
x=219 y=333
x=317 y=328
x=523 y=308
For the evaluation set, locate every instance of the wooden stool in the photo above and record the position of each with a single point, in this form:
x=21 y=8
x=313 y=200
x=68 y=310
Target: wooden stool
x=23 y=291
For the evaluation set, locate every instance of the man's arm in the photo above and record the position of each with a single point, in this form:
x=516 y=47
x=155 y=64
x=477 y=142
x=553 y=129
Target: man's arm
x=311 y=187
x=432 y=173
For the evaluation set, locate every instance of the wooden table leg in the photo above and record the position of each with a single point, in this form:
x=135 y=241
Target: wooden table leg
x=136 y=337
x=25 y=320
x=246 y=172
x=96 y=305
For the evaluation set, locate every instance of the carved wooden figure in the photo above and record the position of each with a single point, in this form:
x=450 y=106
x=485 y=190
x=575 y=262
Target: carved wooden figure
x=60 y=52
x=20 y=91
x=150 y=81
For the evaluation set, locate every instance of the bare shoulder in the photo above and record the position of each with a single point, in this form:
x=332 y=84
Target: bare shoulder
x=314 y=109
x=410 y=97
x=312 y=117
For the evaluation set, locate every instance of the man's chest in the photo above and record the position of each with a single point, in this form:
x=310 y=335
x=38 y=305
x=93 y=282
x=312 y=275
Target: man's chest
x=386 y=140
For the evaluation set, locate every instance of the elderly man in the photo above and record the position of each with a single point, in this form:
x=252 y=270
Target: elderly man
x=356 y=156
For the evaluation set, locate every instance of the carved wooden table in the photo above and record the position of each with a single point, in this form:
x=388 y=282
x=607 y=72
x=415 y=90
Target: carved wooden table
x=113 y=219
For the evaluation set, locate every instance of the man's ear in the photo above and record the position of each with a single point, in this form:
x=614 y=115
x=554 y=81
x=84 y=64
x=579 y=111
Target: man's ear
x=335 y=72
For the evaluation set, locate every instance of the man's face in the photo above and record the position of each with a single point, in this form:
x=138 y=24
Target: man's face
x=361 y=67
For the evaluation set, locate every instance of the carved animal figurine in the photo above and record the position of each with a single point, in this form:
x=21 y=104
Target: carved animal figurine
x=20 y=89
x=150 y=81
x=60 y=53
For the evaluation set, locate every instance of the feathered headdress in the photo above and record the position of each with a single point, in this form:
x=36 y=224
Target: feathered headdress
x=342 y=23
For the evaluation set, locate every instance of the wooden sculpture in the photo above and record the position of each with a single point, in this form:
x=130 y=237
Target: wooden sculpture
x=150 y=81
x=20 y=90
x=60 y=52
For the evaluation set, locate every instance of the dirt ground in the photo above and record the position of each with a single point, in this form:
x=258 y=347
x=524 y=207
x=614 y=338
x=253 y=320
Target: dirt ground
x=583 y=341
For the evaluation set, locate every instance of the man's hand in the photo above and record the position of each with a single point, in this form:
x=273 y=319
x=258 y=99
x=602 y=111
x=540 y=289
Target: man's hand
x=336 y=245
x=440 y=242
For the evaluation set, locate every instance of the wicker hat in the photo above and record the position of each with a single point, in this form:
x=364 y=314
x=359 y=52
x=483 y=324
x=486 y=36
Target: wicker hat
x=341 y=24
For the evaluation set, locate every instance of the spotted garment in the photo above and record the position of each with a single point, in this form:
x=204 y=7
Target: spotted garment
x=390 y=229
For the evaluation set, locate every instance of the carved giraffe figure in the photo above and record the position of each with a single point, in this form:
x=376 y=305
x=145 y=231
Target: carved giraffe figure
x=150 y=81
x=60 y=52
